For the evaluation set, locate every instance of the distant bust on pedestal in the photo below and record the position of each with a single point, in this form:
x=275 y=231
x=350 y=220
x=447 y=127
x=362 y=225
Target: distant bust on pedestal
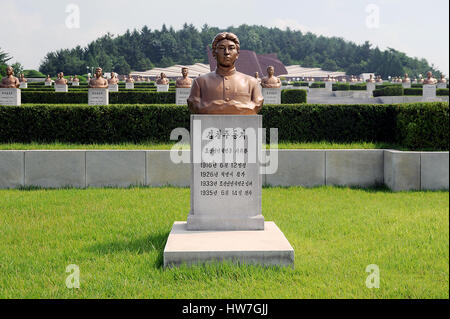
x=113 y=80
x=271 y=81
x=185 y=81
x=443 y=79
x=76 y=79
x=406 y=79
x=48 y=79
x=98 y=82
x=257 y=77
x=430 y=79
x=328 y=79
x=225 y=91
x=379 y=79
x=22 y=79
x=61 y=80
x=371 y=79
x=129 y=79
x=163 y=80
x=10 y=81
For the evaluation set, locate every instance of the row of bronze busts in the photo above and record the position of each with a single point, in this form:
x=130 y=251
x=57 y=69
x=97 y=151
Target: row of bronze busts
x=270 y=81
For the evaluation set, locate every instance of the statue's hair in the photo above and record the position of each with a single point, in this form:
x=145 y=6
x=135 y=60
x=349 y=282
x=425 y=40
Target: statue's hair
x=222 y=36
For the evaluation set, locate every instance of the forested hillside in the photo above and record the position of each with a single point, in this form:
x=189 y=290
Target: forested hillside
x=140 y=50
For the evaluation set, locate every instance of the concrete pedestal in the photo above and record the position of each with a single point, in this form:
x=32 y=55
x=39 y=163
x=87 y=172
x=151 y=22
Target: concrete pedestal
x=113 y=88
x=182 y=94
x=61 y=88
x=11 y=97
x=162 y=88
x=271 y=95
x=329 y=86
x=75 y=83
x=98 y=96
x=441 y=86
x=429 y=92
x=23 y=85
x=129 y=86
x=268 y=247
x=48 y=83
x=406 y=85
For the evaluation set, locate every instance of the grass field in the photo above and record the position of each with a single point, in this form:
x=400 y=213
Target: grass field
x=168 y=146
x=117 y=236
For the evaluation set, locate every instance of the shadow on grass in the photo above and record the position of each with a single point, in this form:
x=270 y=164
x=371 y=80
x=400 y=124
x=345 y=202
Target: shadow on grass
x=154 y=242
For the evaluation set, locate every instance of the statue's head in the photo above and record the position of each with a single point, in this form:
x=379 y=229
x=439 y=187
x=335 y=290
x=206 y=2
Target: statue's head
x=270 y=70
x=225 y=49
x=61 y=75
x=9 y=71
x=163 y=75
x=256 y=74
x=185 y=71
x=429 y=74
x=98 y=72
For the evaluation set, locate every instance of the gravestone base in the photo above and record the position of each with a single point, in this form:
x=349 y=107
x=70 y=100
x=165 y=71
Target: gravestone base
x=406 y=85
x=329 y=86
x=113 y=87
x=268 y=247
x=441 y=86
x=48 y=83
x=162 y=88
x=129 y=86
x=429 y=92
x=272 y=95
x=23 y=85
x=10 y=97
x=61 y=88
x=195 y=222
x=75 y=83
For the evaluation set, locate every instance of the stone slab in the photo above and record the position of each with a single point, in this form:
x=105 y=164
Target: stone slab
x=182 y=94
x=115 y=168
x=48 y=83
x=402 y=170
x=434 y=170
x=299 y=168
x=61 y=88
x=225 y=192
x=329 y=86
x=354 y=167
x=406 y=85
x=429 y=91
x=55 y=169
x=10 y=97
x=271 y=95
x=11 y=169
x=370 y=87
x=162 y=88
x=98 y=96
x=129 y=86
x=23 y=85
x=113 y=88
x=75 y=83
x=162 y=171
x=441 y=86
x=268 y=247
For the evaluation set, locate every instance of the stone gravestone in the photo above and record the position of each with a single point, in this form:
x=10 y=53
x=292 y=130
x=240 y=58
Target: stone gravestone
x=23 y=85
x=429 y=92
x=48 y=83
x=129 y=85
x=75 y=83
x=10 y=97
x=113 y=87
x=98 y=96
x=272 y=95
x=162 y=87
x=370 y=87
x=406 y=85
x=328 y=86
x=182 y=95
x=441 y=85
x=225 y=221
x=61 y=88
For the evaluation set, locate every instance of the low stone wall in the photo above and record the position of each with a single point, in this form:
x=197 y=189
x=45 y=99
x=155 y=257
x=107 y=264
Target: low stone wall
x=309 y=168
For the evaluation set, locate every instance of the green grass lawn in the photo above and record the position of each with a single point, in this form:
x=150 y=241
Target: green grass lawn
x=117 y=237
x=168 y=146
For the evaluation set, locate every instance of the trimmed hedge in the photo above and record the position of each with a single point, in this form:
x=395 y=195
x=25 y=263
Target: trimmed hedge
x=416 y=126
x=121 y=97
x=291 y=96
x=341 y=87
x=442 y=92
x=399 y=91
x=389 y=91
x=317 y=85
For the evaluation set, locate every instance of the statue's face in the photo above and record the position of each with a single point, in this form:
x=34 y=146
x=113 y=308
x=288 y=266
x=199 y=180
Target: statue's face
x=226 y=53
x=98 y=73
x=429 y=74
x=185 y=72
x=256 y=75
x=270 y=71
x=9 y=71
x=61 y=75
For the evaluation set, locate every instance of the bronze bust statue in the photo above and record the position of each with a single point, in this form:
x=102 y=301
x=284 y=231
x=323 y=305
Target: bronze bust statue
x=61 y=80
x=22 y=78
x=371 y=79
x=185 y=81
x=48 y=79
x=429 y=79
x=76 y=79
x=10 y=81
x=270 y=81
x=98 y=82
x=443 y=79
x=163 y=80
x=113 y=80
x=225 y=91
x=129 y=79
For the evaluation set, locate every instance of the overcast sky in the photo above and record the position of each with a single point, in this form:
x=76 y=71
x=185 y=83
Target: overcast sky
x=420 y=28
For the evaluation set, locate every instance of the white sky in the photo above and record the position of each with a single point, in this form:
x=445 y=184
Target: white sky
x=420 y=28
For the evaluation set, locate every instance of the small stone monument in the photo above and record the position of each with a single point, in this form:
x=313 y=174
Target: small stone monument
x=129 y=83
x=329 y=83
x=98 y=89
x=183 y=87
x=76 y=81
x=113 y=83
x=370 y=85
x=10 y=93
x=442 y=83
x=23 y=82
x=271 y=87
x=48 y=81
x=61 y=83
x=225 y=221
x=162 y=84
x=406 y=82
x=429 y=87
